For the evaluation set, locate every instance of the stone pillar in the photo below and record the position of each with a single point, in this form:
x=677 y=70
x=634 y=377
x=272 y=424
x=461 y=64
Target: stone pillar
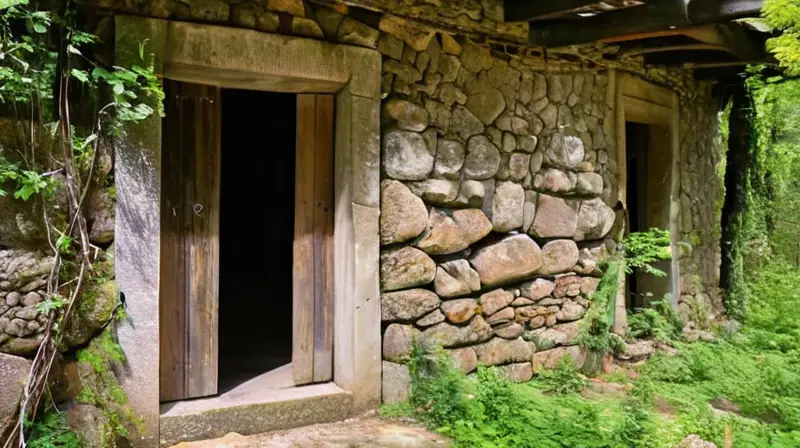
x=357 y=315
x=138 y=182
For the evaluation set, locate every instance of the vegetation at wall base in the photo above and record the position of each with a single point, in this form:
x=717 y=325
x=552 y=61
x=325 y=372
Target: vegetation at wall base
x=743 y=388
x=660 y=322
x=51 y=430
x=670 y=398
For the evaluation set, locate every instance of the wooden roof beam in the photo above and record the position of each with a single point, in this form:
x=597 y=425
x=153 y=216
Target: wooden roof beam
x=715 y=10
x=652 y=16
x=725 y=37
x=707 y=34
x=636 y=51
x=527 y=10
x=655 y=16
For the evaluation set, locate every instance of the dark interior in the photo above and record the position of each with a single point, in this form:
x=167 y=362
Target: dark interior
x=636 y=140
x=256 y=234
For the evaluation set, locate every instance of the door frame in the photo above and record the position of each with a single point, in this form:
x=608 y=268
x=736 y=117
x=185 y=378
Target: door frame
x=643 y=102
x=201 y=54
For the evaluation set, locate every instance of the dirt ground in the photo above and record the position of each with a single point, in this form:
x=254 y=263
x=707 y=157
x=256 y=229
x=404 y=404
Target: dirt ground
x=367 y=432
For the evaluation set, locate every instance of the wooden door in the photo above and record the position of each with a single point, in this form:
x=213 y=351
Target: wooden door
x=312 y=344
x=189 y=285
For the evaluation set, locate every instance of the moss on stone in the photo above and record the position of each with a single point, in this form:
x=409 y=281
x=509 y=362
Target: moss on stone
x=101 y=390
x=96 y=303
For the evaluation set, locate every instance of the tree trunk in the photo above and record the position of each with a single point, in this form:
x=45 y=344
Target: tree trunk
x=739 y=164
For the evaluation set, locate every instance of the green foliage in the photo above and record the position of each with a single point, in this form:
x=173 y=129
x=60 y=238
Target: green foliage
x=765 y=386
x=50 y=304
x=438 y=386
x=784 y=15
x=595 y=332
x=104 y=349
x=638 y=428
x=397 y=410
x=50 y=430
x=102 y=390
x=27 y=66
x=27 y=182
x=28 y=73
x=774 y=323
x=565 y=378
x=768 y=232
x=660 y=322
x=490 y=412
x=641 y=249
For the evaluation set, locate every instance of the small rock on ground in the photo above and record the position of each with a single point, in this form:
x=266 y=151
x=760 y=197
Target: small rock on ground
x=356 y=433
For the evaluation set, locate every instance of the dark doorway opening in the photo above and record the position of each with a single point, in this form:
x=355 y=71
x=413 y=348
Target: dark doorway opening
x=636 y=136
x=636 y=153
x=649 y=160
x=256 y=234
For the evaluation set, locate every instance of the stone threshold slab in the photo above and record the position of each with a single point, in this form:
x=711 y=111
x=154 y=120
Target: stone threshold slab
x=260 y=411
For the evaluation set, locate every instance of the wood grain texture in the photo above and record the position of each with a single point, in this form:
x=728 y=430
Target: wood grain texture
x=323 y=240
x=303 y=280
x=312 y=349
x=189 y=292
x=172 y=320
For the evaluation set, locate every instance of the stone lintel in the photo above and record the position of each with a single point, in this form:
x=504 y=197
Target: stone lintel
x=233 y=57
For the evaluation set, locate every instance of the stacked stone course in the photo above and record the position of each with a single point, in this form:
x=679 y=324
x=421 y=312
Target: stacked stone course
x=23 y=282
x=497 y=181
x=701 y=206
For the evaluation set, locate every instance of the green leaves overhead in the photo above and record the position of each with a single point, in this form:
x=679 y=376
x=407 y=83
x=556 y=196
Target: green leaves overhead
x=5 y=4
x=784 y=15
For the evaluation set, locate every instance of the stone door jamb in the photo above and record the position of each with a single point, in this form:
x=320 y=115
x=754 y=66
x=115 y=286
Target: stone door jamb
x=643 y=102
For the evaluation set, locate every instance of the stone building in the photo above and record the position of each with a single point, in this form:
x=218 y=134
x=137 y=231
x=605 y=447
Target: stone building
x=333 y=180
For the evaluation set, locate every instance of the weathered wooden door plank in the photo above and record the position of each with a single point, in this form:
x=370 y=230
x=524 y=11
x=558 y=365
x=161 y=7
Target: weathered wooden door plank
x=323 y=240
x=303 y=280
x=190 y=243
x=312 y=349
x=172 y=304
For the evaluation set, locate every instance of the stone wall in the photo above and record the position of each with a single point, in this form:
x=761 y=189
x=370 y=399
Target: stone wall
x=23 y=284
x=493 y=217
x=499 y=169
x=702 y=194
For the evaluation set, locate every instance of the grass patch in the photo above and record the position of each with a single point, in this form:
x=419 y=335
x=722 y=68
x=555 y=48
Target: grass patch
x=757 y=369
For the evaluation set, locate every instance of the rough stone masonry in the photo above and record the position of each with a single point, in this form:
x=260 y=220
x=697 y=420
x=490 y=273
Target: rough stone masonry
x=498 y=170
x=494 y=207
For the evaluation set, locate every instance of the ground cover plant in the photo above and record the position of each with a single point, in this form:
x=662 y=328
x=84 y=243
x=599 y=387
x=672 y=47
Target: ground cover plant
x=671 y=398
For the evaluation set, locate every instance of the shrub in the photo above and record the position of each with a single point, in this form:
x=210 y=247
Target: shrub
x=565 y=378
x=438 y=387
x=660 y=322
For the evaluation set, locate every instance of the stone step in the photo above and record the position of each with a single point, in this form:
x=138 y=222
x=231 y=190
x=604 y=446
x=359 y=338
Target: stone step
x=253 y=413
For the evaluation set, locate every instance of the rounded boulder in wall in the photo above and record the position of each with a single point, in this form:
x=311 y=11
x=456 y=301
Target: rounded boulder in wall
x=403 y=214
x=595 y=220
x=406 y=156
x=559 y=256
x=565 y=151
x=512 y=259
x=405 y=267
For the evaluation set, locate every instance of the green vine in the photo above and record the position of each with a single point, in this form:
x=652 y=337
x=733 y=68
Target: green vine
x=43 y=55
